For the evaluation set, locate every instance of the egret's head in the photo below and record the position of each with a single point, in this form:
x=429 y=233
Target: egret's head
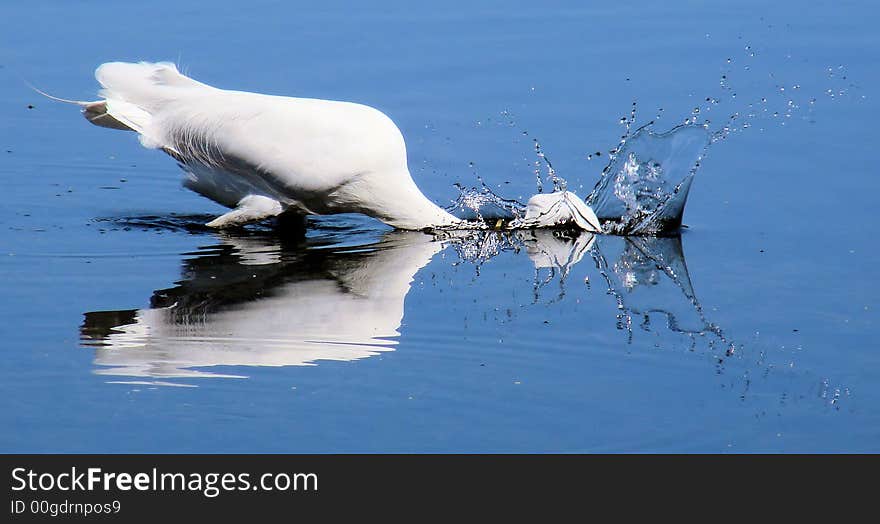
x=559 y=209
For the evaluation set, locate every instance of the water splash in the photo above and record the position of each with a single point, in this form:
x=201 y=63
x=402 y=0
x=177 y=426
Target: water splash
x=559 y=183
x=644 y=187
x=642 y=190
x=481 y=207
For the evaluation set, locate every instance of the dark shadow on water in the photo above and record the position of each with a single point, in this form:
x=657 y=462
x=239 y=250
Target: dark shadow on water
x=171 y=222
x=288 y=230
x=285 y=226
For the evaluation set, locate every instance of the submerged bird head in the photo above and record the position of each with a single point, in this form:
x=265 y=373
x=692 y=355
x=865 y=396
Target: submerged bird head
x=560 y=208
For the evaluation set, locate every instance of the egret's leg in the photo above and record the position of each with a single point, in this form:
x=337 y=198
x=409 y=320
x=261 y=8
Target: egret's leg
x=292 y=224
x=251 y=208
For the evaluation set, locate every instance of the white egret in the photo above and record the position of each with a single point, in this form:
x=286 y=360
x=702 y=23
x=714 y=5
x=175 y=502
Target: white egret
x=264 y=155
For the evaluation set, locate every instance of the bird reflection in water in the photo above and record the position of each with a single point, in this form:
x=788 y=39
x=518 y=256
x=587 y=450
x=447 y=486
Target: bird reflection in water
x=256 y=300
x=647 y=276
x=252 y=301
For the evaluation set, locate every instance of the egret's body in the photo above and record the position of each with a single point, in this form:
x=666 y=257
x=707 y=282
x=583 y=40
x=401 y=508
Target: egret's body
x=266 y=155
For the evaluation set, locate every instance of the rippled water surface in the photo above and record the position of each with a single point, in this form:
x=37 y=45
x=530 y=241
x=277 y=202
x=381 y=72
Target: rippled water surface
x=128 y=326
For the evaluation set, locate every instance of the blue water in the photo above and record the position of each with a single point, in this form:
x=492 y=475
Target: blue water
x=755 y=331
